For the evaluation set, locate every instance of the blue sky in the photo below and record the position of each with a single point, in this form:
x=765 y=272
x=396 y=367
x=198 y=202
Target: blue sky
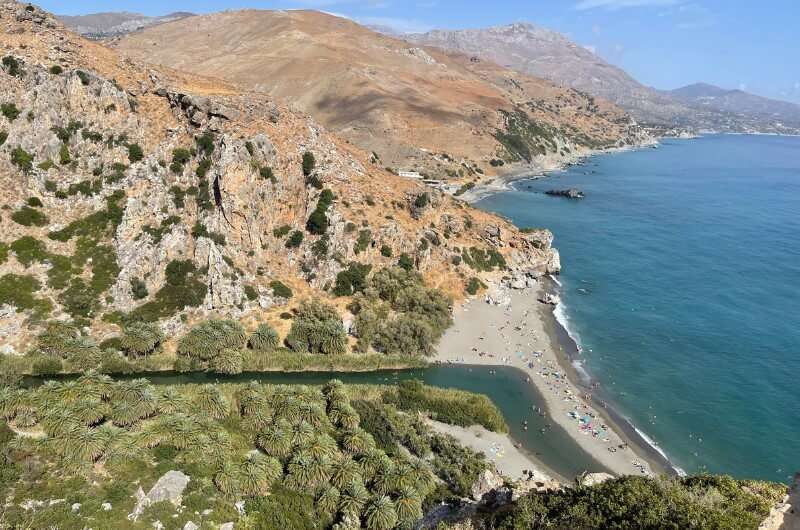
x=749 y=44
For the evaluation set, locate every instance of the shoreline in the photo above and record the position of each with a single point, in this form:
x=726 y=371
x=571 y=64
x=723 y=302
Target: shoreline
x=503 y=181
x=523 y=334
x=568 y=353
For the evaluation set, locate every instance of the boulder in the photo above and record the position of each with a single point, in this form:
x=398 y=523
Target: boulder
x=550 y=299
x=190 y=526
x=226 y=526
x=167 y=488
x=593 y=479
x=486 y=483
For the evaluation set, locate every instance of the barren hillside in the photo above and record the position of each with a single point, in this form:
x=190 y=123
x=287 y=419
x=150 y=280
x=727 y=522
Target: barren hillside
x=416 y=108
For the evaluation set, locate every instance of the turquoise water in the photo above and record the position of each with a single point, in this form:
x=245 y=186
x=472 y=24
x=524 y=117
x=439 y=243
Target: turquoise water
x=682 y=283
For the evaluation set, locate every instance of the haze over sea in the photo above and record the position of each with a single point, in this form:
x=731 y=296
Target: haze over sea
x=681 y=282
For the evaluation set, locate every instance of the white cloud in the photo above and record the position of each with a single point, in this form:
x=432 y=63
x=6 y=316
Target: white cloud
x=622 y=4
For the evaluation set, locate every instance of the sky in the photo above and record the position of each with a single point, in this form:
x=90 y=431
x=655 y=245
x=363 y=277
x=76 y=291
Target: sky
x=746 y=44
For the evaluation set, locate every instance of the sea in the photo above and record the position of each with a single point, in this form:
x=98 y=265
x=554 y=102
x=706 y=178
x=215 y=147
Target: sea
x=681 y=284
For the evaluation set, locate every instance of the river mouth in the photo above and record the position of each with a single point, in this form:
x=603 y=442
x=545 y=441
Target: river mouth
x=545 y=442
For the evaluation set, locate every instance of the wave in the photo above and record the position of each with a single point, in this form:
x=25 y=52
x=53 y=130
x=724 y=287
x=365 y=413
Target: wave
x=656 y=447
x=560 y=313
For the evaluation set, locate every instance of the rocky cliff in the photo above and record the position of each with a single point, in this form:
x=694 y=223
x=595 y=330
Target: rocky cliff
x=131 y=190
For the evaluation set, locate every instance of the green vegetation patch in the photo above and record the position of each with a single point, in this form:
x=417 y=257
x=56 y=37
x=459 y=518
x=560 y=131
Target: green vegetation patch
x=182 y=288
x=318 y=221
x=28 y=216
x=317 y=328
x=19 y=291
x=10 y=111
x=97 y=225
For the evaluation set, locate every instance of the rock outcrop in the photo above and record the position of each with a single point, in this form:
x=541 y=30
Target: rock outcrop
x=169 y=487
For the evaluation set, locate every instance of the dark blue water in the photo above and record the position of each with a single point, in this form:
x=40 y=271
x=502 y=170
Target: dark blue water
x=682 y=283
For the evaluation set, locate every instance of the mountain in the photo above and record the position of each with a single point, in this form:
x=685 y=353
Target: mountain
x=108 y=25
x=416 y=108
x=738 y=101
x=137 y=193
x=547 y=54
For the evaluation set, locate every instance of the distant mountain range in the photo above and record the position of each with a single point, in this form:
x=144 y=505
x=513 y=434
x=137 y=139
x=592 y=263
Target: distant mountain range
x=550 y=55
x=107 y=25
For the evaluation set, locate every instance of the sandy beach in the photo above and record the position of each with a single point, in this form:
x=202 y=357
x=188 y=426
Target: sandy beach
x=519 y=333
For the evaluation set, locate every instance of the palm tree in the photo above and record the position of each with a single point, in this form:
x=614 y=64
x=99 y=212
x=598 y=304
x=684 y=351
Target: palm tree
x=328 y=501
x=89 y=411
x=96 y=385
x=86 y=444
x=425 y=481
x=276 y=440
x=300 y=472
x=320 y=445
x=123 y=413
x=372 y=461
x=408 y=506
x=381 y=514
x=302 y=433
x=228 y=361
x=211 y=401
x=288 y=408
x=358 y=442
x=264 y=339
x=312 y=413
x=26 y=418
x=58 y=420
x=141 y=338
x=352 y=500
x=403 y=476
x=257 y=474
x=171 y=401
x=251 y=399
x=344 y=471
x=227 y=479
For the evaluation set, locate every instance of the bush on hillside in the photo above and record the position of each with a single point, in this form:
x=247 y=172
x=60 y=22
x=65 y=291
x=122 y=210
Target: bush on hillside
x=317 y=328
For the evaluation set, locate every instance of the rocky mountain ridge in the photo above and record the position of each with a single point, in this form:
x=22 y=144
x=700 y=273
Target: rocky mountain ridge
x=550 y=55
x=143 y=192
x=115 y=24
x=416 y=109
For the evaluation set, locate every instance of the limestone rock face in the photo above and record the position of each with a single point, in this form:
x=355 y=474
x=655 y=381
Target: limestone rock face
x=785 y=515
x=487 y=482
x=154 y=167
x=593 y=479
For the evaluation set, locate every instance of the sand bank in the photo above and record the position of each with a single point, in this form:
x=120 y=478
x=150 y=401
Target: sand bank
x=522 y=334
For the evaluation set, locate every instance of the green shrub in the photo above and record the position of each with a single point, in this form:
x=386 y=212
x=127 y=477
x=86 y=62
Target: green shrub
x=19 y=291
x=281 y=231
x=264 y=339
x=22 y=159
x=250 y=292
x=474 y=285
x=27 y=216
x=691 y=503
x=47 y=366
x=135 y=153
x=83 y=76
x=180 y=157
x=178 y=196
x=63 y=155
x=182 y=289
x=4 y=248
x=205 y=143
x=295 y=240
x=3 y=137
x=10 y=111
x=56 y=69
x=317 y=328
x=29 y=250
x=266 y=173
x=280 y=289
x=422 y=200
x=363 y=241
x=96 y=225
x=318 y=221
x=483 y=261
x=448 y=406
x=309 y=163
x=352 y=280
x=405 y=262
x=11 y=64
x=138 y=289
x=79 y=299
x=386 y=251
x=34 y=202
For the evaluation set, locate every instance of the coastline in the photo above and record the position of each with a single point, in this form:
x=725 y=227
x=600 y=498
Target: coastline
x=508 y=335
x=532 y=171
